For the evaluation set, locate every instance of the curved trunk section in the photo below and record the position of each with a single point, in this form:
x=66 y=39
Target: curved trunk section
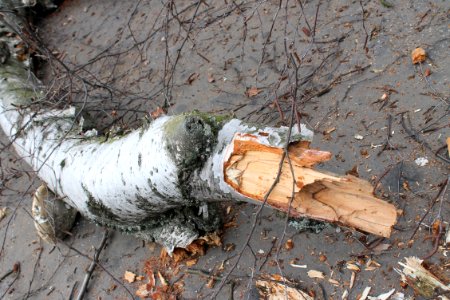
x=160 y=182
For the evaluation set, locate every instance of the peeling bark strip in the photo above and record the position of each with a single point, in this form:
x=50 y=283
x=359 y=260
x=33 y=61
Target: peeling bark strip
x=251 y=167
x=155 y=181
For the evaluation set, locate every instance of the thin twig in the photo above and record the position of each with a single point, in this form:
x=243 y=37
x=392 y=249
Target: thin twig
x=441 y=192
x=91 y=268
x=16 y=269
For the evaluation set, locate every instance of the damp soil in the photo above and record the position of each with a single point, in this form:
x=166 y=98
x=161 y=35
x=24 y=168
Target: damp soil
x=356 y=88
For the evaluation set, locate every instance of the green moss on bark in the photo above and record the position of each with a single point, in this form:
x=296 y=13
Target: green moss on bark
x=190 y=139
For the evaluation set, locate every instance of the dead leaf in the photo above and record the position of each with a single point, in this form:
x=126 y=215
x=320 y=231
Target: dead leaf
x=353 y=171
x=210 y=283
x=191 y=262
x=322 y=258
x=230 y=224
x=418 y=55
x=159 y=111
x=130 y=277
x=196 y=248
x=253 y=91
x=179 y=255
x=306 y=31
x=364 y=153
x=316 y=274
x=405 y=185
x=436 y=227
x=448 y=145
x=212 y=239
x=289 y=244
x=192 y=78
x=2 y=213
x=142 y=292
x=427 y=72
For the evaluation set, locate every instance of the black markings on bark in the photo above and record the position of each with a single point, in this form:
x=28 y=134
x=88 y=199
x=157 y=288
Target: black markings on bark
x=101 y=212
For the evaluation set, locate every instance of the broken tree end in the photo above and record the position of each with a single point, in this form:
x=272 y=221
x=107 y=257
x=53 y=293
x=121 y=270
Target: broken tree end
x=252 y=166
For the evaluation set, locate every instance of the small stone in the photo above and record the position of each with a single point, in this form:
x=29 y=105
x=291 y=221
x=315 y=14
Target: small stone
x=421 y=161
x=358 y=137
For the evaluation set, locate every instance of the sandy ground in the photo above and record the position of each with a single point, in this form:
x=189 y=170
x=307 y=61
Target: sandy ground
x=123 y=47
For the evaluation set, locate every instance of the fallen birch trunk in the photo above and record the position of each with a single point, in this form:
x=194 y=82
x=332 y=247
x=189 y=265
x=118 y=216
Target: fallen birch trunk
x=161 y=182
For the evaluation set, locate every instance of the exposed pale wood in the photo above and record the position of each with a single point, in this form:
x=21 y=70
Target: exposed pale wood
x=252 y=168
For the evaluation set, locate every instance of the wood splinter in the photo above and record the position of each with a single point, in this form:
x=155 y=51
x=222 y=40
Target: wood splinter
x=251 y=167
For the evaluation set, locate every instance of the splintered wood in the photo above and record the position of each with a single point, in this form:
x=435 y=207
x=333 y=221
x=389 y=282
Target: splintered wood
x=252 y=167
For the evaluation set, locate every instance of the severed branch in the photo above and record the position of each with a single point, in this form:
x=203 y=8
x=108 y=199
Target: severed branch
x=251 y=166
x=91 y=268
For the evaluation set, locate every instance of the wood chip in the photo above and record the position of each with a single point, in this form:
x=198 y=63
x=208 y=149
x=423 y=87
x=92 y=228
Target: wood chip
x=299 y=266
x=329 y=130
x=352 y=280
x=353 y=267
x=334 y=282
x=277 y=291
x=365 y=293
x=162 y=279
x=384 y=296
x=420 y=279
x=316 y=274
x=2 y=213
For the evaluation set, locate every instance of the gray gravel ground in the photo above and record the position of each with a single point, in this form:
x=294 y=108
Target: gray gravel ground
x=232 y=48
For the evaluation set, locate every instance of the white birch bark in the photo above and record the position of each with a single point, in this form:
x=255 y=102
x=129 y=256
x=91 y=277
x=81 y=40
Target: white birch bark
x=152 y=182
